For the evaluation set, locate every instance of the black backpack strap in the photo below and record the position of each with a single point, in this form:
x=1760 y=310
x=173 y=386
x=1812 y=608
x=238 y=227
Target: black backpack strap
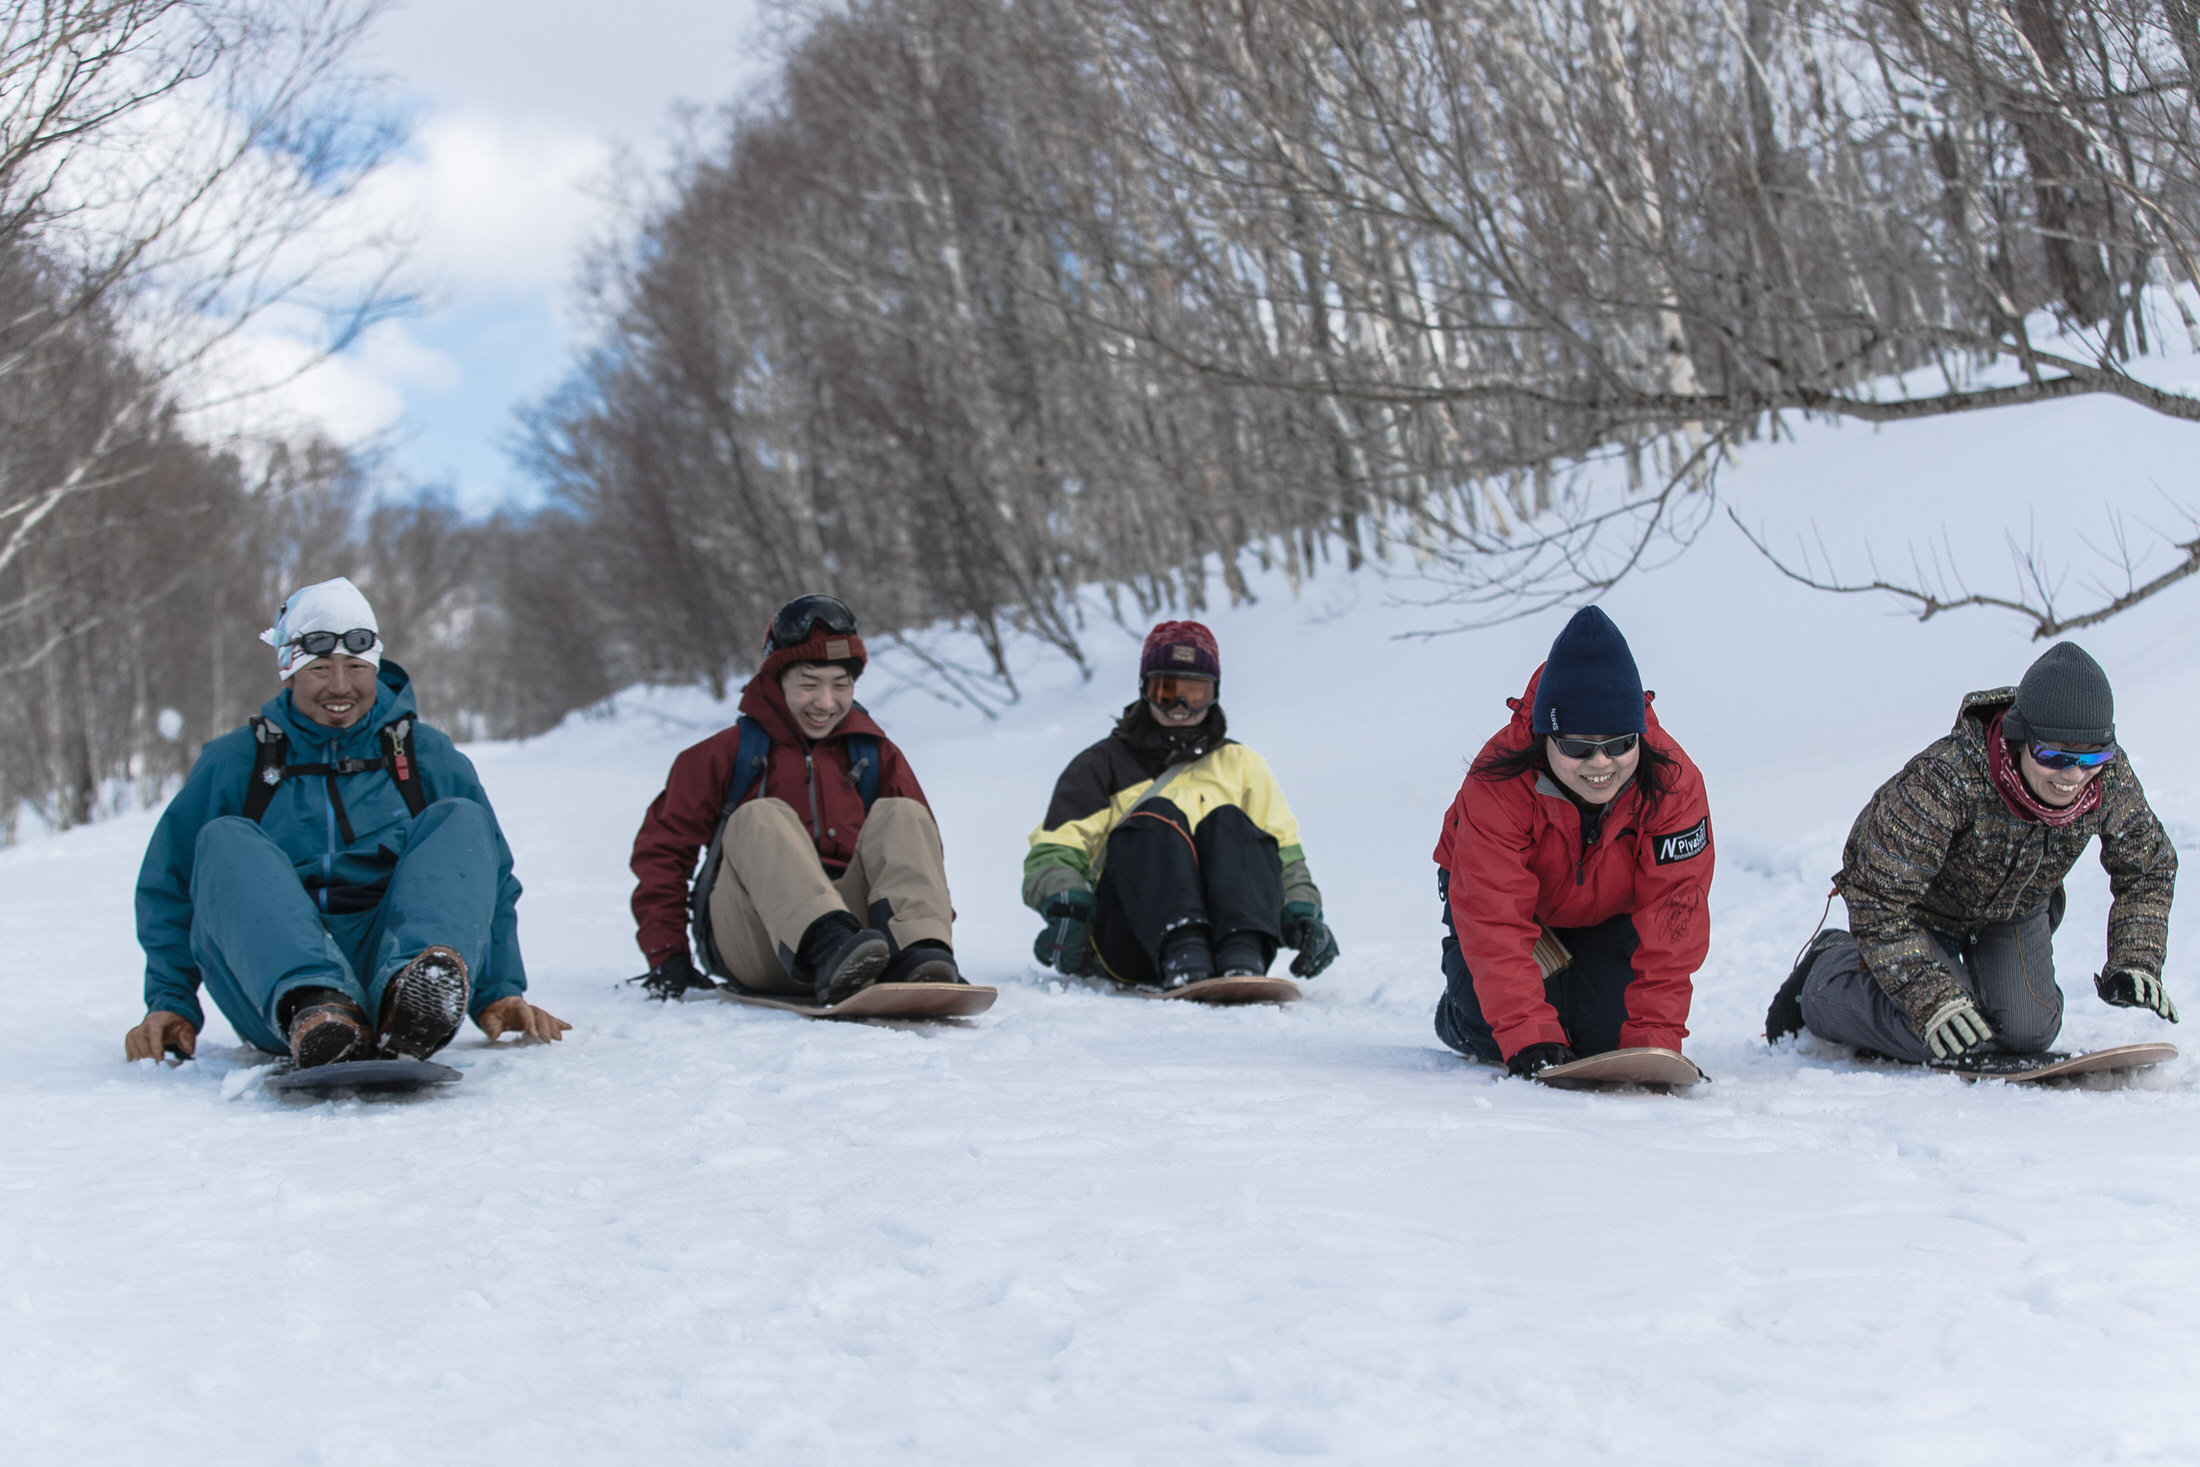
x=752 y=751
x=404 y=764
x=269 y=747
x=863 y=770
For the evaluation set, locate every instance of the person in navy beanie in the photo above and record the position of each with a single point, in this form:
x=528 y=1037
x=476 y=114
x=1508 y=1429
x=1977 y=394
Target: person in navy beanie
x=1168 y=855
x=1574 y=868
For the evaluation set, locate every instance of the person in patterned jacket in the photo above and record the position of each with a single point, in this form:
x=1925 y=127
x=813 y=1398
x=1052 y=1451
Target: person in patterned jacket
x=1953 y=877
x=1168 y=855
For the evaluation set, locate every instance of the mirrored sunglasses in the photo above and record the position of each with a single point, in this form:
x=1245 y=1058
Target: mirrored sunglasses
x=1165 y=690
x=2047 y=756
x=1612 y=748
x=320 y=644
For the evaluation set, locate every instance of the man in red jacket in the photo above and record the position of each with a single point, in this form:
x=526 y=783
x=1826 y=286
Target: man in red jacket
x=814 y=895
x=1575 y=870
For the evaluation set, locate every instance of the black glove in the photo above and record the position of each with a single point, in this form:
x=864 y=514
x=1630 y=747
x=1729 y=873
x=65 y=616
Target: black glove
x=1065 y=944
x=671 y=978
x=1536 y=1058
x=1304 y=929
x=2128 y=989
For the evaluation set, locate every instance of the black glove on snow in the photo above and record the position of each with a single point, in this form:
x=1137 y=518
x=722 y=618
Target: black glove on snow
x=1065 y=944
x=1537 y=1058
x=671 y=978
x=1304 y=929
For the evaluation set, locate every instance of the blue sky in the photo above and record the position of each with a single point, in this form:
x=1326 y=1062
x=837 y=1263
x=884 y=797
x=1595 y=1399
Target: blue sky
x=525 y=120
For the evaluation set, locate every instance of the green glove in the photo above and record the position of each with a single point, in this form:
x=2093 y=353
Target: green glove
x=1956 y=1028
x=1065 y=944
x=2128 y=988
x=1304 y=929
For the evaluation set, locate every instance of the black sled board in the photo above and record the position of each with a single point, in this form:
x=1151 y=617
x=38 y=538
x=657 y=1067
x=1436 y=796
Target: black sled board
x=396 y=1075
x=1647 y=1066
x=1229 y=991
x=880 y=1001
x=2031 y=1069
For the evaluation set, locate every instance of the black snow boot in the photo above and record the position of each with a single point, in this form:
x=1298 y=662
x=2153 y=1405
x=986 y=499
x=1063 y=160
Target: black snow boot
x=424 y=1005
x=324 y=1028
x=923 y=962
x=839 y=957
x=1239 y=956
x=1785 y=1017
x=1185 y=956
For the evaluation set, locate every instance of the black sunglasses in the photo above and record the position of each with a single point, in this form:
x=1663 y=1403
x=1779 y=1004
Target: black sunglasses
x=320 y=644
x=791 y=627
x=1612 y=748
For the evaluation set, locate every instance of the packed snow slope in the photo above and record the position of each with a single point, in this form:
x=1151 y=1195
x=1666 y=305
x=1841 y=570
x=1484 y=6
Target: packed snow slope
x=1087 y=1228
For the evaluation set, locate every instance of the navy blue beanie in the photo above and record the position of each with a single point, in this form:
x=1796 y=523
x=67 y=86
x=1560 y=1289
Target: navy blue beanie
x=1589 y=684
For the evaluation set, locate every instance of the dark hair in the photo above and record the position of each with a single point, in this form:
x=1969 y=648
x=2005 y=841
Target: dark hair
x=1653 y=773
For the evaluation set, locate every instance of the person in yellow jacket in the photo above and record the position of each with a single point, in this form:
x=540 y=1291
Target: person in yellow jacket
x=1168 y=854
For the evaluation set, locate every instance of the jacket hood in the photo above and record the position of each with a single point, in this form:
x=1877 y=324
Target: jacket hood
x=765 y=701
x=393 y=699
x=1978 y=711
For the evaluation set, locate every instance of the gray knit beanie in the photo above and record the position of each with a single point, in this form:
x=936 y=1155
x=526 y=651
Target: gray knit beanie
x=2064 y=699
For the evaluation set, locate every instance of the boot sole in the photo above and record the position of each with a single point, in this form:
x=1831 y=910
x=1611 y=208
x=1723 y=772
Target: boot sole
x=426 y=1005
x=857 y=970
x=326 y=1037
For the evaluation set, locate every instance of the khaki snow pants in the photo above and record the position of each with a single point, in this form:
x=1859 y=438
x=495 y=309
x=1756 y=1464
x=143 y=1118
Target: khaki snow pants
x=771 y=886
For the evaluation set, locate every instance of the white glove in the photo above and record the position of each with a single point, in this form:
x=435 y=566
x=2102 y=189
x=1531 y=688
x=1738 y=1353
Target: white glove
x=2128 y=988
x=1956 y=1028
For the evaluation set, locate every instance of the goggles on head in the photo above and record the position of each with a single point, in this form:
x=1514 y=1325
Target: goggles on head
x=320 y=644
x=1618 y=747
x=2047 y=756
x=1179 y=690
x=792 y=626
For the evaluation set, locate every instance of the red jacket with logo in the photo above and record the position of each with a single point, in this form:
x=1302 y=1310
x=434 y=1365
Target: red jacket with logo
x=814 y=778
x=1515 y=853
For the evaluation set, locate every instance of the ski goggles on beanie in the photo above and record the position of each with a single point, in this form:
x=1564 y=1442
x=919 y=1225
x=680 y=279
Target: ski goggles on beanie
x=1613 y=748
x=2047 y=756
x=1180 y=690
x=320 y=644
x=795 y=621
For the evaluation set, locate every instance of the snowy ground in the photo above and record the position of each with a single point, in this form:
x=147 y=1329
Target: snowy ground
x=1090 y=1229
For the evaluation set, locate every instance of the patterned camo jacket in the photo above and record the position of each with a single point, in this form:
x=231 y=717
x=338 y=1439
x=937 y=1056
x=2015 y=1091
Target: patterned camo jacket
x=1938 y=849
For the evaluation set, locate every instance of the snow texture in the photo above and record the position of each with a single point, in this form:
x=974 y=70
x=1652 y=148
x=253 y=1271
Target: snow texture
x=1085 y=1228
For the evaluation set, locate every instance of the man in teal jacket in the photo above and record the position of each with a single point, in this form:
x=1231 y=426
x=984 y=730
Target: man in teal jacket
x=361 y=901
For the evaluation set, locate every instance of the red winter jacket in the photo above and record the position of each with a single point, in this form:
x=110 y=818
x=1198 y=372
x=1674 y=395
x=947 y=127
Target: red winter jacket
x=813 y=778
x=1514 y=851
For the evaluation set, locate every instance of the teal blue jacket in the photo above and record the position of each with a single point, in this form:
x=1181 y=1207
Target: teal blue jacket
x=302 y=821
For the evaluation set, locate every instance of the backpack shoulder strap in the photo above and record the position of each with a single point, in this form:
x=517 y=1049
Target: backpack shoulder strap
x=270 y=747
x=404 y=764
x=752 y=749
x=749 y=758
x=863 y=767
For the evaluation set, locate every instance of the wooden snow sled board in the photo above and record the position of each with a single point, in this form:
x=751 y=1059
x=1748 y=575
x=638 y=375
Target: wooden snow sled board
x=384 y=1075
x=2031 y=1069
x=879 y=1001
x=1226 y=991
x=1648 y=1066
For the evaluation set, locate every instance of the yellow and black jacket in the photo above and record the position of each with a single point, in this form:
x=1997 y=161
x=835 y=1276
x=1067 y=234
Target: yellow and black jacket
x=1102 y=784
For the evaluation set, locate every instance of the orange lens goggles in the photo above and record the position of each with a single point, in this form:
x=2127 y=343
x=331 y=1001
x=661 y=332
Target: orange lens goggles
x=1166 y=689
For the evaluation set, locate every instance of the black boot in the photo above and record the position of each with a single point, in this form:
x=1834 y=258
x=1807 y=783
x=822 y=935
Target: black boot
x=1785 y=1017
x=923 y=962
x=1241 y=955
x=1186 y=957
x=839 y=958
x=424 y=1005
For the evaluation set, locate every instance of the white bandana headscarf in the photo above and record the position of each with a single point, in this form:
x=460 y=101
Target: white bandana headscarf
x=329 y=606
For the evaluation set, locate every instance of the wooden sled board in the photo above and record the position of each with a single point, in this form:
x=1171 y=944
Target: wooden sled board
x=1230 y=991
x=2095 y=1062
x=1645 y=1066
x=378 y=1074
x=882 y=1001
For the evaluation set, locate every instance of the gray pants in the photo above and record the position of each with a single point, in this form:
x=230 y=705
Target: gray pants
x=2008 y=969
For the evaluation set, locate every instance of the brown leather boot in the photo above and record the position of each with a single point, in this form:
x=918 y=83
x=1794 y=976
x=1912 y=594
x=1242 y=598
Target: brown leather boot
x=328 y=1033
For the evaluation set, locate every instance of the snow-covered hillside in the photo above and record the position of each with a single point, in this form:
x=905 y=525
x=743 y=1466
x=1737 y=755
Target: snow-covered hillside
x=1089 y=1229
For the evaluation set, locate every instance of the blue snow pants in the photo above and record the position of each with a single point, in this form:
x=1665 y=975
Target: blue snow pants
x=256 y=932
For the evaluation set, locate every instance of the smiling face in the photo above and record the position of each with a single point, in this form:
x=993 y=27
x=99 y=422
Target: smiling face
x=819 y=695
x=2058 y=789
x=1599 y=777
x=334 y=691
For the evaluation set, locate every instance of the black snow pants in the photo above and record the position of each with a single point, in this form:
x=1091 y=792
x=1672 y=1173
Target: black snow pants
x=1160 y=874
x=1590 y=993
